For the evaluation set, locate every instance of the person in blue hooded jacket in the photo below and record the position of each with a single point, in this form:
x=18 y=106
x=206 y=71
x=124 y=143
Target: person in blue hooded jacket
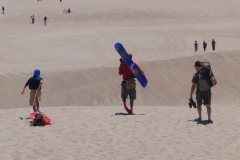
x=35 y=85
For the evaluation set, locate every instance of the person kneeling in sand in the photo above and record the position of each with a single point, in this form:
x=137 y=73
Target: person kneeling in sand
x=35 y=85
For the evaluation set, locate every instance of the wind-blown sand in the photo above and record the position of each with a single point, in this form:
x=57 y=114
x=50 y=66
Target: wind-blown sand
x=79 y=66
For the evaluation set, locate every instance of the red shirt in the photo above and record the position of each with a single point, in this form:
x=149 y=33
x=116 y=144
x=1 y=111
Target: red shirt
x=126 y=72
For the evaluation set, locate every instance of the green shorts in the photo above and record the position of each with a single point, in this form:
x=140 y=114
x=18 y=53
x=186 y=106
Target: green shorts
x=203 y=97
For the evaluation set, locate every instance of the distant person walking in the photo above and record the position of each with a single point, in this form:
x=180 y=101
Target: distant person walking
x=45 y=20
x=213 y=45
x=35 y=85
x=196 y=46
x=204 y=45
x=33 y=18
x=64 y=11
x=3 y=9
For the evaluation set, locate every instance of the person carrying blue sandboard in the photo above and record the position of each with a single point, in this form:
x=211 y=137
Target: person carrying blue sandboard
x=131 y=65
x=128 y=84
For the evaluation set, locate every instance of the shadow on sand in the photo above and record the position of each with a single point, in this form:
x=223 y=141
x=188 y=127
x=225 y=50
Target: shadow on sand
x=127 y=114
x=39 y=125
x=203 y=122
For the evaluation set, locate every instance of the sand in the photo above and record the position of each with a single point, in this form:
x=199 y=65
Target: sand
x=93 y=132
x=81 y=87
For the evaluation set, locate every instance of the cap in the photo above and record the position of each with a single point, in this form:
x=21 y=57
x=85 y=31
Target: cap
x=197 y=64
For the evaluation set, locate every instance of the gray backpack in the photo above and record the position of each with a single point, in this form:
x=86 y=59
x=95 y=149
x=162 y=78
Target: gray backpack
x=204 y=77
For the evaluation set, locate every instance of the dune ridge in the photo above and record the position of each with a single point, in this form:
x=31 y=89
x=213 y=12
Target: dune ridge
x=101 y=86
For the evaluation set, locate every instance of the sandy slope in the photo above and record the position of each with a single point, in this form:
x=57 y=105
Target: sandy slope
x=101 y=86
x=160 y=35
x=97 y=133
x=79 y=66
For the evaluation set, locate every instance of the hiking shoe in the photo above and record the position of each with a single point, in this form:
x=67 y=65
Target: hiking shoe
x=192 y=103
x=210 y=121
x=199 y=119
x=130 y=112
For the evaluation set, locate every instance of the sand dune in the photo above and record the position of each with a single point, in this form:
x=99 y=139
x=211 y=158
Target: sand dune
x=79 y=66
x=97 y=133
x=101 y=86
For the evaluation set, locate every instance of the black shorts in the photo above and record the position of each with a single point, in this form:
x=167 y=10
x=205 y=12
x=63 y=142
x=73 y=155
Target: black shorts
x=128 y=92
x=204 y=96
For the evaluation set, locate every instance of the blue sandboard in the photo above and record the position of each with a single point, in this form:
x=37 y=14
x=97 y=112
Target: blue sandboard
x=126 y=58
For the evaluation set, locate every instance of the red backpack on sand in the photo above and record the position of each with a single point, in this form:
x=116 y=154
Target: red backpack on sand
x=37 y=119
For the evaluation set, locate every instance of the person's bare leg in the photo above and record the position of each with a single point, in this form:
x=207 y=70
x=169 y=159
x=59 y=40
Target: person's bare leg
x=38 y=105
x=34 y=108
x=209 y=111
x=131 y=104
x=125 y=106
x=199 y=109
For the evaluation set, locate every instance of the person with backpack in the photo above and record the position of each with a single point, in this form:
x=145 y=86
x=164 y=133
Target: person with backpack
x=204 y=45
x=128 y=84
x=203 y=81
x=35 y=85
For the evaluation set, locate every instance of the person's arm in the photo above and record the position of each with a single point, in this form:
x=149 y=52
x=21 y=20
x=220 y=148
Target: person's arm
x=141 y=71
x=39 y=86
x=194 y=84
x=120 y=72
x=213 y=81
x=192 y=89
x=25 y=86
x=24 y=89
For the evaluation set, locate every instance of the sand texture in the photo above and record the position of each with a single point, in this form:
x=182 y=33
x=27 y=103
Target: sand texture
x=81 y=86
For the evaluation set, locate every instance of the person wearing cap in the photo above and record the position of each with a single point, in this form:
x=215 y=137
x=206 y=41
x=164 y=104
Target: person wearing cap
x=35 y=85
x=202 y=96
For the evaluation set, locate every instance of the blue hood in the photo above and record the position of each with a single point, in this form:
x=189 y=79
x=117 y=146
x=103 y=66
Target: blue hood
x=36 y=73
